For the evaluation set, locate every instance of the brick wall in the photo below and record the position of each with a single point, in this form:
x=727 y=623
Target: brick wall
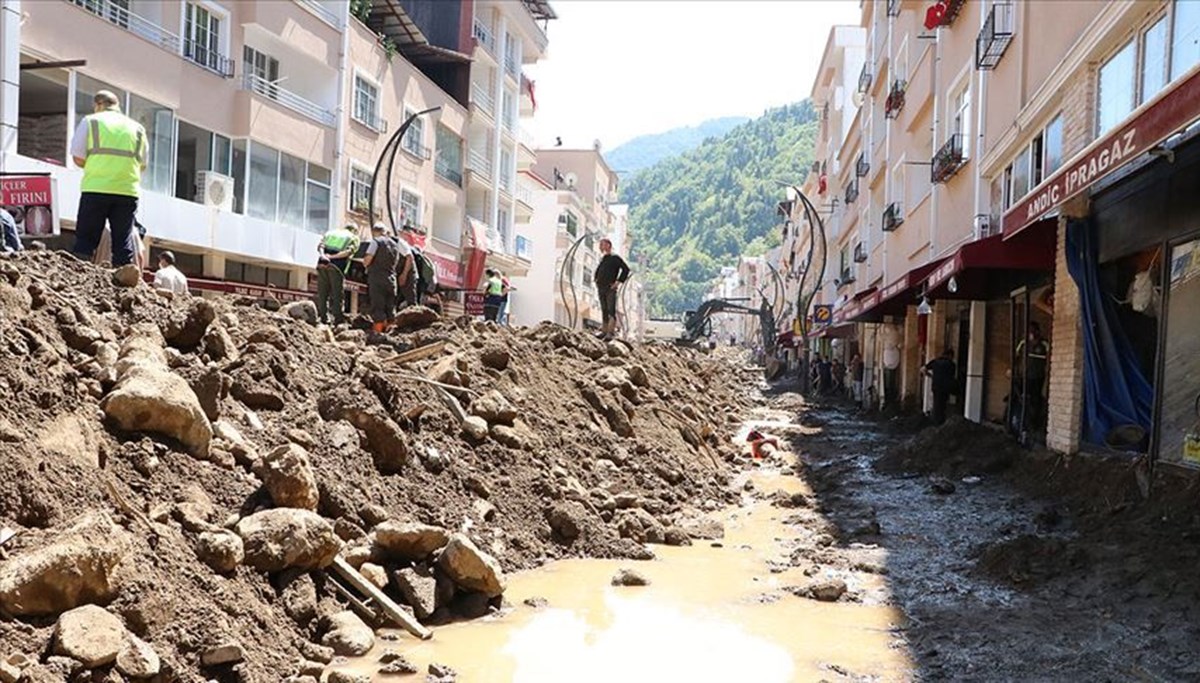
x=910 y=362
x=1066 y=357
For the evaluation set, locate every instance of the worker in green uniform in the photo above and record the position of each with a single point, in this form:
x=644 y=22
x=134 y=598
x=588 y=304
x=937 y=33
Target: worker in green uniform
x=334 y=254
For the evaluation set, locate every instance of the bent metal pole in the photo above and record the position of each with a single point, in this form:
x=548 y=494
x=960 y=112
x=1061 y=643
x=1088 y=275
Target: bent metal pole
x=389 y=154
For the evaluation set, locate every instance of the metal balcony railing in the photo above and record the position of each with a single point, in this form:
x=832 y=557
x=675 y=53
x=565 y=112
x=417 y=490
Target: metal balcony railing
x=289 y=99
x=994 y=37
x=862 y=166
x=448 y=171
x=864 y=79
x=210 y=59
x=478 y=162
x=513 y=66
x=482 y=97
x=852 y=191
x=137 y=25
x=895 y=98
x=524 y=194
x=860 y=253
x=948 y=159
x=893 y=8
x=846 y=277
x=893 y=217
x=483 y=35
x=416 y=149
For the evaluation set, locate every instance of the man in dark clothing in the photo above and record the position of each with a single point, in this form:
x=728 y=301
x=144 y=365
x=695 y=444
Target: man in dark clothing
x=610 y=273
x=825 y=371
x=944 y=377
x=1035 y=373
x=380 y=260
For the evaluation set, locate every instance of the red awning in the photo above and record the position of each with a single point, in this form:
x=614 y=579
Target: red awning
x=992 y=267
x=853 y=307
x=893 y=299
x=843 y=331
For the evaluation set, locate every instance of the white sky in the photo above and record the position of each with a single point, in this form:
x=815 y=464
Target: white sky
x=622 y=68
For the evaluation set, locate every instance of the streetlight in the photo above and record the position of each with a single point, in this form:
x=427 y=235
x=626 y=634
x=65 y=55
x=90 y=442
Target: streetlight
x=389 y=153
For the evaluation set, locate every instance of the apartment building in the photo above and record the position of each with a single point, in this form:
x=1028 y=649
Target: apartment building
x=1025 y=166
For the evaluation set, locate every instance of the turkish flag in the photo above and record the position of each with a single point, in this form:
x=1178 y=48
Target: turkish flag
x=934 y=15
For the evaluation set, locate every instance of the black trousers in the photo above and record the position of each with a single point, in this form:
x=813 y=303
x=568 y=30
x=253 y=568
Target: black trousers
x=96 y=208
x=608 y=302
x=940 y=399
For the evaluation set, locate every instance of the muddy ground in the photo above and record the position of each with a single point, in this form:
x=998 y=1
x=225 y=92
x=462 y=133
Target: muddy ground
x=1008 y=564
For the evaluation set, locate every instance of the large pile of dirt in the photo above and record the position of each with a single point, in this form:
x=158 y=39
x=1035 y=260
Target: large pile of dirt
x=146 y=438
x=955 y=448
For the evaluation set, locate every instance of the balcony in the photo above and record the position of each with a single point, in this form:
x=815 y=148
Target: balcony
x=448 y=171
x=481 y=97
x=524 y=194
x=948 y=159
x=289 y=99
x=415 y=149
x=862 y=166
x=207 y=58
x=483 y=36
x=864 y=79
x=137 y=25
x=895 y=99
x=860 y=253
x=852 y=191
x=893 y=217
x=479 y=164
x=513 y=66
x=994 y=37
x=893 y=8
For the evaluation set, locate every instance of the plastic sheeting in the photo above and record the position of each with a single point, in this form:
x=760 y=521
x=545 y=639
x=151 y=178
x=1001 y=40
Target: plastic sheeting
x=1115 y=390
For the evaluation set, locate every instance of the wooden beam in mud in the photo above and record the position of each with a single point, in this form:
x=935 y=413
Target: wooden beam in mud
x=386 y=605
x=418 y=353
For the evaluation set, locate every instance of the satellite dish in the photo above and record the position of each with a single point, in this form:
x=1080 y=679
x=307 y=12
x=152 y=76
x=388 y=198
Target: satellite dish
x=859 y=98
x=571 y=180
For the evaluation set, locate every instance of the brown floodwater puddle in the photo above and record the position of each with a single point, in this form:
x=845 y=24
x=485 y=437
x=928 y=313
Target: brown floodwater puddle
x=709 y=614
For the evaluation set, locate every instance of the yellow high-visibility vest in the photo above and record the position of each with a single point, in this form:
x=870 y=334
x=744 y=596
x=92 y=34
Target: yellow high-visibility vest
x=116 y=148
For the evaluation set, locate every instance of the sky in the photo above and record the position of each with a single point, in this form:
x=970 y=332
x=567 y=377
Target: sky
x=617 y=69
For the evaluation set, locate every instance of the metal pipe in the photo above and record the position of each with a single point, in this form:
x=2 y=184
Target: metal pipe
x=389 y=153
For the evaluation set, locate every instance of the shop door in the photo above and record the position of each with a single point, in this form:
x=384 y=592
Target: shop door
x=1017 y=418
x=1179 y=422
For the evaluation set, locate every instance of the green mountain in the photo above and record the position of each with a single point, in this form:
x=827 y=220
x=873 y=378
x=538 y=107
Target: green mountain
x=700 y=210
x=646 y=150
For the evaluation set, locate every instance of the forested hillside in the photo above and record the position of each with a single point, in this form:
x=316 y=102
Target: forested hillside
x=695 y=212
x=646 y=150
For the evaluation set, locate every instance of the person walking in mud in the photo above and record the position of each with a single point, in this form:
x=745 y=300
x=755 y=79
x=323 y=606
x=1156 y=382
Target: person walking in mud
x=943 y=376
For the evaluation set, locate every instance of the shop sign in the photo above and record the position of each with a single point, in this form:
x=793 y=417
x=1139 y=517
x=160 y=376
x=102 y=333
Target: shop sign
x=945 y=271
x=822 y=314
x=449 y=273
x=473 y=303
x=29 y=199
x=1172 y=111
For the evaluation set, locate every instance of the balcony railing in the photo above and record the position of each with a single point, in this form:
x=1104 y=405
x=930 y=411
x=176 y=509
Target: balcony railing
x=137 y=25
x=864 y=79
x=483 y=35
x=893 y=8
x=210 y=59
x=994 y=37
x=895 y=99
x=513 y=66
x=862 y=166
x=416 y=150
x=948 y=159
x=860 y=253
x=448 y=171
x=893 y=217
x=524 y=194
x=478 y=162
x=327 y=15
x=287 y=98
x=483 y=98
x=852 y=191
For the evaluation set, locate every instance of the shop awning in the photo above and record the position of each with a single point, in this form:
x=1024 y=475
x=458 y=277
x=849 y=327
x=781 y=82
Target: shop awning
x=893 y=299
x=852 y=307
x=843 y=331
x=993 y=267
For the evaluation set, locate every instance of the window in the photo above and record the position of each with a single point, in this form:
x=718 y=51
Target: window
x=449 y=155
x=159 y=122
x=1185 y=37
x=318 y=199
x=414 y=137
x=86 y=88
x=1036 y=167
x=366 y=102
x=568 y=221
x=1019 y=178
x=1154 y=60
x=262 y=198
x=240 y=157
x=1116 y=88
x=410 y=208
x=960 y=115
x=202 y=38
x=261 y=70
x=1052 y=144
x=221 y=154
x=360 y=189
x=293 y=180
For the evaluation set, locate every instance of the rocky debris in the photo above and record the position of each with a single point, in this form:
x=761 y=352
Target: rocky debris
x=830 y=590
x=385 y=439
x=346 y=633
x=89 y=634
x=337 y=676
x=452 y=370
x=287 y=474
x=222 y=550
x=495 y=357
x=536 y=602
x=440 y=673
x=471 y=568
x=148 y=397
x=187 y=330
x=287 y=537
x=419 y=591
x=566 y=520
x=941 y=485
x=74 y=569
x=374 y=573
x=137 y=659
x=415 y=317
x=317 y=653
x=128 y=275
x=494 y=408
x=409 y=540
x=223 y=653
x=475 y=428
x=641 y=526
x=700 y=527
x=396 y=664
x=629 y=577
x=305 y=311
x=298 y=593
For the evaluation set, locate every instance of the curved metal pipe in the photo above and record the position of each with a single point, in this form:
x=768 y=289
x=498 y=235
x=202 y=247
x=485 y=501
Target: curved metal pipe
x=389 y=153
x=568 y=266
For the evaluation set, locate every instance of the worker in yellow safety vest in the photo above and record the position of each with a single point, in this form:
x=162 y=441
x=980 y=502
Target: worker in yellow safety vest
x=111 y=149
x=334 y=253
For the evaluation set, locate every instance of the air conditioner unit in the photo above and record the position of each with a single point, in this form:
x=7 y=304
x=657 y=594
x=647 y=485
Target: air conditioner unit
x=214 y=189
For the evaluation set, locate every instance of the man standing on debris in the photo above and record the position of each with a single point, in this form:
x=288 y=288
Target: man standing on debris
x=337 y=247
x=169 y=277
x=111 y=149
x=493 y=295
x=943 y=375
x=611 y=272
x=383 y=252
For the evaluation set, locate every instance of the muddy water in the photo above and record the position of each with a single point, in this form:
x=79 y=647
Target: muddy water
x=712 y=612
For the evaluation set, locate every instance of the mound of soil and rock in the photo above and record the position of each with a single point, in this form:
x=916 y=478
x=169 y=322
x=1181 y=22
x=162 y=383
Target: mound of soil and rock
x=956 y=448
x=180 y=473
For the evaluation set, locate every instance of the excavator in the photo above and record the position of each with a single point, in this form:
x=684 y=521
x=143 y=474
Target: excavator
x=697 y=325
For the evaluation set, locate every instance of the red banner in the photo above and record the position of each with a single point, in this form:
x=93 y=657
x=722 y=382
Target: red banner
x=30 y=201
x=449 y=272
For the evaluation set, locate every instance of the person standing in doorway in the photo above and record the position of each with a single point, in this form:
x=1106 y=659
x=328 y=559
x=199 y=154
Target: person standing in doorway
x=611 y=272
x=337 y=247
x=825 y=371
x=111 y=149
x=1035 y=374
x=944 y=377
x=383 y=252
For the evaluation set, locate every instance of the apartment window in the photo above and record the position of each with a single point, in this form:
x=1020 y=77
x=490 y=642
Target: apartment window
x=414 y=137
x=1117 y=88
x=319 y=197
x=202 y=37
x=410 y=208
x=506 y=170
x=1019 y=177
x=1052 y=143
x=1036 y=160
x=159 y=122
x=1154 y=60
x=360 y=189
x=366 y=102
x=449 y=163
x=960 y=115
x=1185 y=37
x=261 y=70
x=569 y=222
x=505 y=229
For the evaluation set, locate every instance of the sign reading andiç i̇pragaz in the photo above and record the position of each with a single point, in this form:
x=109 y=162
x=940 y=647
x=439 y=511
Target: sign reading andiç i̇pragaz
x=1171 y=112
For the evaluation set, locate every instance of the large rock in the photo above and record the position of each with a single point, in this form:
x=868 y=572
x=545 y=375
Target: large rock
x=301 y=310
x=385 y=439
x=419 y=591
x=475 y=428
x=471 y=568
x=415 y=317
x=220 y=549
x=76 y=568
x=223 y=653
x=137 y=659
x=495 y=357
x=219 y=345
x=89 y=634
x=288 y=537
x=409 y=540
x=287 y=474
x=148 y=397
x=348 y=635
x=639 y=525
x=566 y=519
x=494 y=408
x=612 y=377
x=187 y=330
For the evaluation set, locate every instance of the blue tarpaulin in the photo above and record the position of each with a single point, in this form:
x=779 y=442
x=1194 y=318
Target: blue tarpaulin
x=1115 y=390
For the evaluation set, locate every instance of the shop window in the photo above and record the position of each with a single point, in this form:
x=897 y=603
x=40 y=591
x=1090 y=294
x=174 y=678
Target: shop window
x=1116 y=98
x=86 y=88
x=263 y=194
x=1179 y=440
x=360 y=189
x=319 y=195
x=1153 y=76
x=1019 y=177
x=1185 y=37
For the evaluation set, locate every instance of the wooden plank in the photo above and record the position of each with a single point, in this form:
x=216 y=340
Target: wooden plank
x=358 y=605
x=418 y=353
x=385 y=604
